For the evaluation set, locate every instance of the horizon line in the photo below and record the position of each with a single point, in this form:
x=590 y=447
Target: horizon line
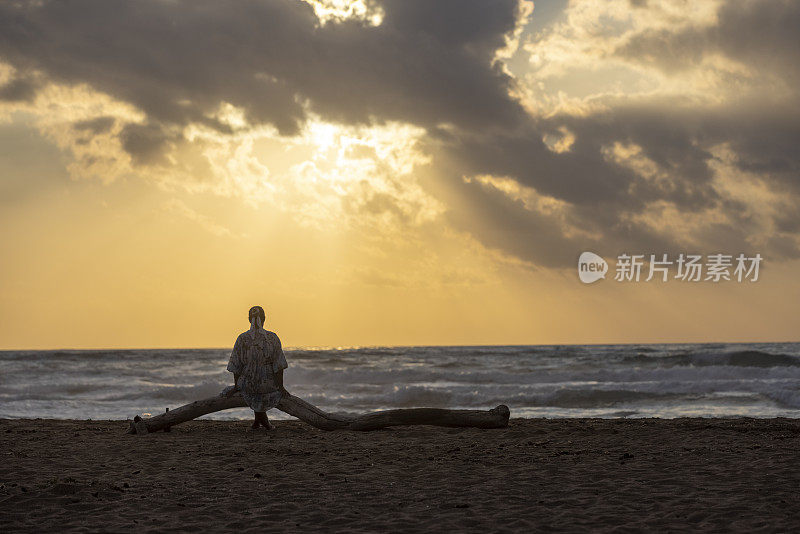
x=369 y=346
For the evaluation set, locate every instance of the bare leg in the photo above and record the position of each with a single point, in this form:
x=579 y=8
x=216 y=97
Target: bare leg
x=264 y=420
x=256 y=421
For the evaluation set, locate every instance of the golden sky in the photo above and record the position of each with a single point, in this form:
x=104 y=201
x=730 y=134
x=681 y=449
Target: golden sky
x=393 y=173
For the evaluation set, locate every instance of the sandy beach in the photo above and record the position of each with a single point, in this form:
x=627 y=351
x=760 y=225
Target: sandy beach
x=555 y=475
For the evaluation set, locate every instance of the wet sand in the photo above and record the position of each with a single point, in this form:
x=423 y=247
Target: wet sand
x=555 y=475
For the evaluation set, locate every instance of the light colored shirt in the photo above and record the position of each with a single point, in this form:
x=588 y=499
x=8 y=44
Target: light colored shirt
x=257 y=355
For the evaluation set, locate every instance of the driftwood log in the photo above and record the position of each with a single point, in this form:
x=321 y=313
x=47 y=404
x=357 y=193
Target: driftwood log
x=494 y=418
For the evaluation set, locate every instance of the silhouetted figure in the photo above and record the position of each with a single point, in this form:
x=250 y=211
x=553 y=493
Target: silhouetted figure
x=257 y=363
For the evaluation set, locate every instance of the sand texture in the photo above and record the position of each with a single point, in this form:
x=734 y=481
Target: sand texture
x=554 y=475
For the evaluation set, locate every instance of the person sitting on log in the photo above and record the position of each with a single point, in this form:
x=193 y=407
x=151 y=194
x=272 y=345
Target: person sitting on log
x=257 y=363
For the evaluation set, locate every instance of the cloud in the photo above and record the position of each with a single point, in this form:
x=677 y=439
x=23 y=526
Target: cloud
x=426 y=63
x=19 y=89
x=625 y=166
x=652 y=164
x=95 y=126
x=144 y=142
x=758 y=33
x=620 y=126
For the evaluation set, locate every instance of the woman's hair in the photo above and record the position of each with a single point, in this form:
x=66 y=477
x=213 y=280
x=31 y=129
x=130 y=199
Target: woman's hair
x=257 y=311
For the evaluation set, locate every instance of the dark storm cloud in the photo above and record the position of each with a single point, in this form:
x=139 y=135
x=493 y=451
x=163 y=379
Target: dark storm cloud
x=431 y=64
x=606 y=194
x=18 y=90
x=144 y=142
x=763 y=33
x=95 y=126
x=677 y=135
x=428 y=62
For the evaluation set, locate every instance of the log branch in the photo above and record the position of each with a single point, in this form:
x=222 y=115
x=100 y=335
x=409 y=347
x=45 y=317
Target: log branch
x=307 y=412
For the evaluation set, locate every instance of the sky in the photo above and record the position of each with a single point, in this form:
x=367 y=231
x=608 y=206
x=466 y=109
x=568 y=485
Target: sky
x=394 y=172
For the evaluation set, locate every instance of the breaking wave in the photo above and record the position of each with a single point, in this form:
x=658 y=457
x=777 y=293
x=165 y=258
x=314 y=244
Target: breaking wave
x=761 y=380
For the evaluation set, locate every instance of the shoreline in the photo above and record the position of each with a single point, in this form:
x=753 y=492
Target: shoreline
x=728 y=418
x=715 y=474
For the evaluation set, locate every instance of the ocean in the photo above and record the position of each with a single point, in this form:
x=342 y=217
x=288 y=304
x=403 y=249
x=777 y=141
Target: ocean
x=667 y=381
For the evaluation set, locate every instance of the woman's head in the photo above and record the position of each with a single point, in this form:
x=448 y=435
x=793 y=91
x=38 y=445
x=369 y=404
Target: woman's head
x=256 y=312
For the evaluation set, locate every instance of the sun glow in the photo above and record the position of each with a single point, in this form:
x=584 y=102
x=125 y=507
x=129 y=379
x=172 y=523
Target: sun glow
x=395 y=173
